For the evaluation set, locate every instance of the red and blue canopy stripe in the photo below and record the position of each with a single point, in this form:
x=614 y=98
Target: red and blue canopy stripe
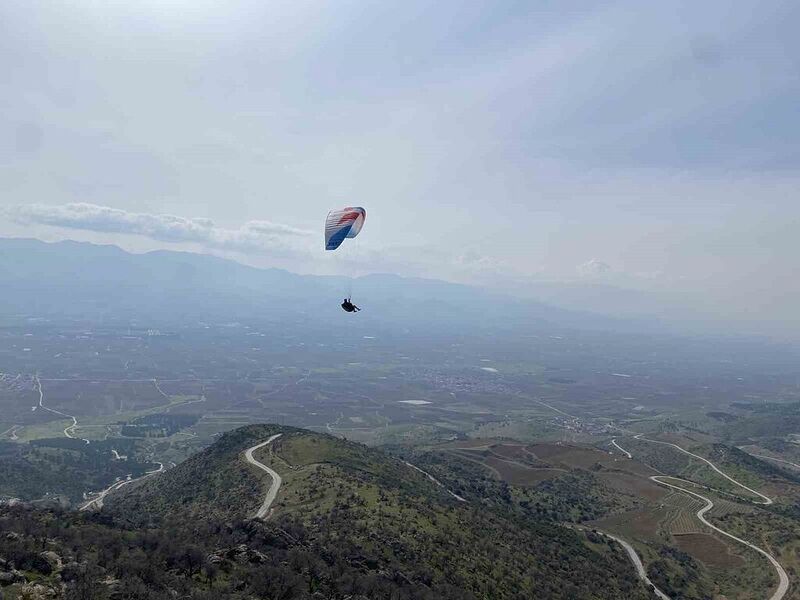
x=342 y=224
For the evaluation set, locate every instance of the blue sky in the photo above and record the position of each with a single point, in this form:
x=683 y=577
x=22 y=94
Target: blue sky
x=653 y=146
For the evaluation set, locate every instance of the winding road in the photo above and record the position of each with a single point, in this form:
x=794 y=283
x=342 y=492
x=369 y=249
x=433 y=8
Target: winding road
x=276 y=479
x=98 y=501
x=766 y=500
x=637 y=562
x=70 y=429
x=158 y=388
x=436 y=481
x=780 y=460
x=783 y=578
x=620 y=448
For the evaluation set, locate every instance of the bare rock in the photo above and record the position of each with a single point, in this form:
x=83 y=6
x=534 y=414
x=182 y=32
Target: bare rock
x=53 y=559
x=36 y=591
x=11 y=577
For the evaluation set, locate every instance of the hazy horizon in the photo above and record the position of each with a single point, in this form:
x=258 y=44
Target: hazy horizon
x=532 y=148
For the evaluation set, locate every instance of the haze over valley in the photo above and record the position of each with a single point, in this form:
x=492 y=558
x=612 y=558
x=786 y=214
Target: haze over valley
x=399 y=300
x=133 y=385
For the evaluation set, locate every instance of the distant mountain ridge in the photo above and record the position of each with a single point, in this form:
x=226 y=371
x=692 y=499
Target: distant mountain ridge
x=79 y=280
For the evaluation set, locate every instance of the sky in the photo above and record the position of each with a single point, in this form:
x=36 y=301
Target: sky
x=647 y=146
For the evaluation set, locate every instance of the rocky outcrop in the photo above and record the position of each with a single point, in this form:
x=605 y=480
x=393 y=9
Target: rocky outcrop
x=53 y=560
x=11 y=577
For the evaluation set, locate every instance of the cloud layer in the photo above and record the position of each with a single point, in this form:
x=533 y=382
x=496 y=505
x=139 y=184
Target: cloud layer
x=258 y=236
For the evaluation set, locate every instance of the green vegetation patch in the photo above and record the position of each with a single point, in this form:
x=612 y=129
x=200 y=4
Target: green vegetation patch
x=65 y=466
x=343 y=503
x=158 y=425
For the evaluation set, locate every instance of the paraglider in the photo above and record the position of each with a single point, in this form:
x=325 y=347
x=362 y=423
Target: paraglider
x=340 y=225
x=349 y=306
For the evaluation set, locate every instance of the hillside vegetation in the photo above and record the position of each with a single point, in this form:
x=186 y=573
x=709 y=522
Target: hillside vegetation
x=351 y=520
x=65 y=466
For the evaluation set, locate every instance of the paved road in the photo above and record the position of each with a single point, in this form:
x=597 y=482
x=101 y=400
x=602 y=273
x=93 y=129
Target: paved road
x=276 y=479
x=98 y=501
x=551 y=407
x=68 y=431
x=637 y=562
x=620 y=448
x=69 y=428
x=158 y=388
x=436 y=481
x=780 y=460
x=766 y=500
x=783 y=579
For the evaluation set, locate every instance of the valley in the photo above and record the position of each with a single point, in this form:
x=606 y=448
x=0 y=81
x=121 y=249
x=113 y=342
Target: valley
x=696 y=478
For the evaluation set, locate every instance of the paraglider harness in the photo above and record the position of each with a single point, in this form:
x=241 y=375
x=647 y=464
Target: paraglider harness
x=349 y=306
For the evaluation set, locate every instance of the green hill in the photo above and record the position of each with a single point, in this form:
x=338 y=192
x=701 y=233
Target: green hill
x=63 y=466
x=357 y=521
x=214 y=483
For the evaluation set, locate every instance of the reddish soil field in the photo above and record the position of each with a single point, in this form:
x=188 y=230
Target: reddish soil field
x=633 y=525
x=709 y=550
x=585 y=458
x=511 y=451
x=517 y=474
x=477 y=458
x=633 y=484
x=477 y=443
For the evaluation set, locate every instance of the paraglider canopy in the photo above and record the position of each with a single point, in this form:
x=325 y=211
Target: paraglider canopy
x=343 y=223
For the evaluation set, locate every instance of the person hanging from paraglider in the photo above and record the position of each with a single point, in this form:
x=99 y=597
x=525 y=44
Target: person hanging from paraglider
x=339 y=226
x=349 y=306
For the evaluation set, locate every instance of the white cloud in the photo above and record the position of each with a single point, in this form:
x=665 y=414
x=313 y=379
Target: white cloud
x=594 y=268
x=258 y=236
x=477 y=262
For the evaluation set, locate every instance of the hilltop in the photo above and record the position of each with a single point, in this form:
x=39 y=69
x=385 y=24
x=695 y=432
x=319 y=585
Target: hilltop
x=369 y=517
x=215 y=482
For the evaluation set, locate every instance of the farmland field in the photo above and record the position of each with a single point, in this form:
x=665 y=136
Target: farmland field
x=683 y=522
x=533 y=437
x=709 y=549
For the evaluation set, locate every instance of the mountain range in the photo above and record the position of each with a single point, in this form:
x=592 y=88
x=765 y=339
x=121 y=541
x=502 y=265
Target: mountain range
x=98 y=283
